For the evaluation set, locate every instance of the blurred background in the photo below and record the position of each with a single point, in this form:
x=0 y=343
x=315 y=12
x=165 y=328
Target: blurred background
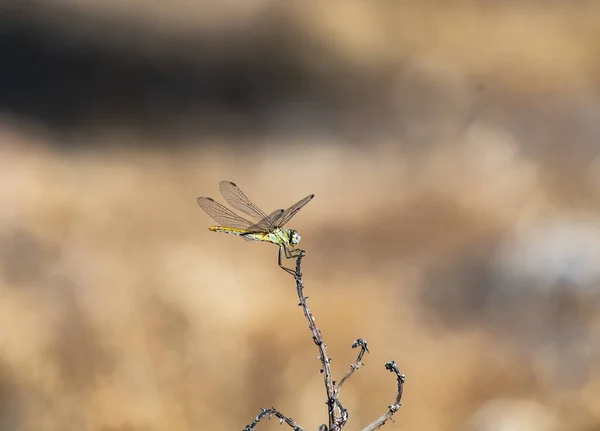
x=453 y=148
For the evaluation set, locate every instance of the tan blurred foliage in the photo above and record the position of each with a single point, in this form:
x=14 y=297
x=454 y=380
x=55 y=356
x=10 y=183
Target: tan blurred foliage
x=465 y=245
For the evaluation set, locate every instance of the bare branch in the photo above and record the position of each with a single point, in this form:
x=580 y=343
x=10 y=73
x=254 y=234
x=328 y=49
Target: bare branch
x=268 y=413
x=318 y=340
x=362 y=343
x=338 y=415
x=392 y=409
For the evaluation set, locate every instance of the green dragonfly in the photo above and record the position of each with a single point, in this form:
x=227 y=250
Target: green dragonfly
x=266 y=228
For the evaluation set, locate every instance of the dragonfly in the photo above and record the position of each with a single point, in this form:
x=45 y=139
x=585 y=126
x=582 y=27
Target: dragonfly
x=262 y=227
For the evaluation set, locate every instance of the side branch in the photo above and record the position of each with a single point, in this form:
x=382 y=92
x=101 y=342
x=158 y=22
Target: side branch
x=392 y=409
x=362 y=343
x=268 y=413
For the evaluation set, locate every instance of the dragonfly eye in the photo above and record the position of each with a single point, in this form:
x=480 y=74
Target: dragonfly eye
x=294 y=237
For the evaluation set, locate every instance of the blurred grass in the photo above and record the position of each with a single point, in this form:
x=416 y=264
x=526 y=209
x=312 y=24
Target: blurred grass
x=452 y=148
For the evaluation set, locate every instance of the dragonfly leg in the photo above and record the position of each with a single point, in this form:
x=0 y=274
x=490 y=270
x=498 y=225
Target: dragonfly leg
x=296 y=252
x=287 y=255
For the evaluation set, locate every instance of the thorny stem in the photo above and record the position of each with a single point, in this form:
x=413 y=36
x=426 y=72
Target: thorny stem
x=273 y=412
x=332 y=402
x=392 y=409
x=336 y=421
x=357 y=364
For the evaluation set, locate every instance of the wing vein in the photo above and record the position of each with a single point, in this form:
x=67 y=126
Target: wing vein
x=223 y=215
x=238 y=200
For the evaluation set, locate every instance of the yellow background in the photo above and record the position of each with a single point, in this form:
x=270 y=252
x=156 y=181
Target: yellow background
x=453 y=151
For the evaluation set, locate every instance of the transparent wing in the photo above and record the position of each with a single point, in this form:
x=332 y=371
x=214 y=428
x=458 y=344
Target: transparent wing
x=238 y=200
x=287 y=215
x=266 y=224
x=223 y=215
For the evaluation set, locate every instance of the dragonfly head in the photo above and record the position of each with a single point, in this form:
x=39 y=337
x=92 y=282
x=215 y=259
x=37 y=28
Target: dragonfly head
x=294 y=237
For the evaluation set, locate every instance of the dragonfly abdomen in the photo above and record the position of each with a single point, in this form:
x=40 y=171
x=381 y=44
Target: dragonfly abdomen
x=256 y=236
x=229 y=230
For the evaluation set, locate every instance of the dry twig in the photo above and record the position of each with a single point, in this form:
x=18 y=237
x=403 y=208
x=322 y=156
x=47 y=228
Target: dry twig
x=268 y=413
x=338 y=415
x=392 y=409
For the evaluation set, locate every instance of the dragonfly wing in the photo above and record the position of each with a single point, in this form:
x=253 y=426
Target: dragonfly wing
x=223 y=215
x=287 y=215
x=238 y=200
x=266 y=224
